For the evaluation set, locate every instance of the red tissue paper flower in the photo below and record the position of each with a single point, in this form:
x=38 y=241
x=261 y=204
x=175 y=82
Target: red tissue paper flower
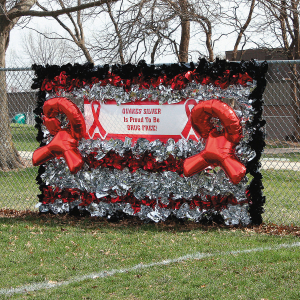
x=179 y=82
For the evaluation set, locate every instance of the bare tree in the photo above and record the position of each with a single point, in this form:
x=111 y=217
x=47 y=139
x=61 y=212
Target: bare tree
x=205 y=15
x=10 y=14
x=77 y=35
x=148 y=27
x=124 y=38
x=161 y=23
x=281 y=18
x=242 y=27
x=176 y=18
x=181 y=10
x=237 y=16
x=45 y=48
x=153 y=27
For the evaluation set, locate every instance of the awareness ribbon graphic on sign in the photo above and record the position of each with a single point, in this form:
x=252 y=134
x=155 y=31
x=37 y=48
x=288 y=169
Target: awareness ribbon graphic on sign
x=96 y=123
x=186 y=130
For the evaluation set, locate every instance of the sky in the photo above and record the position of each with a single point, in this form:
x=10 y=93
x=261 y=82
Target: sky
x=16 y=58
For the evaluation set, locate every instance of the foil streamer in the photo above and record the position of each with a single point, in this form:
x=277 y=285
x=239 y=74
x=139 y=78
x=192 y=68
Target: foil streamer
x=234 y=93
x=236 y=214
x=232 y=215
x=107 y=182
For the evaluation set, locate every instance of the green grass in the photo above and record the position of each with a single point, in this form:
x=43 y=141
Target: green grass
x=19 y=189
x=24 y=137
x=282 y=191
x=281 y=144
x=293 y=157
x=43 y=249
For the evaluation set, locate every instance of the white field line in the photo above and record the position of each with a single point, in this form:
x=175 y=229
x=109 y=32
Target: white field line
x=198 y=255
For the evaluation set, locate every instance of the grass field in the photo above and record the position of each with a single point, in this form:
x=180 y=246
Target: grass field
x=292 y=157
x=19 y=189
x=39 y=249
x=282 y=191
x=281 y=144
x=24 y=137
x=42 y=251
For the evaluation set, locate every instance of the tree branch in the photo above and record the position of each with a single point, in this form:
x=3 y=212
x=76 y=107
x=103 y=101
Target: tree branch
x=55 y=13
x=71 y=19
x=118 y=33
x=242 y=30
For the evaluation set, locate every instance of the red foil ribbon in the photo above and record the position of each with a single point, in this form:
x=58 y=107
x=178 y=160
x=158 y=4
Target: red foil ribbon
x=65 y=141
x=219 y=146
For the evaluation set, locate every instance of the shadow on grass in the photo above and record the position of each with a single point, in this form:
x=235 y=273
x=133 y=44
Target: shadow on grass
x=133 y=224
x=125 y=221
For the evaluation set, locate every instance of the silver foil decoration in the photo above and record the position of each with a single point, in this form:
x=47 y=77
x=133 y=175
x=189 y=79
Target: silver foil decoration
x=232 y=215
x=162 y=93
x=59 y=207
x=104 y=182
x=236 y=214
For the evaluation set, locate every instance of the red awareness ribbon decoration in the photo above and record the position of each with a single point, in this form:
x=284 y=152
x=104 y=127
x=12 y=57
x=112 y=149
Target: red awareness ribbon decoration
x=96 y=123
x=66 y=140
x=219 y=146
x=186 y=130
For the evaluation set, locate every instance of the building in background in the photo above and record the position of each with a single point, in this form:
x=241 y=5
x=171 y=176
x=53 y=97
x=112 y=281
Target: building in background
x=259 y=54
x=281 y=97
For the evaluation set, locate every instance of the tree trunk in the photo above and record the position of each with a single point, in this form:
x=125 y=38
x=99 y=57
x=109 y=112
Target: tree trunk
x=185 y=32
x=242 y=30
x=296 y=104
x=209 y=46
x=86 y=52
x=184 y=41
x=9 y=156
x=154 y=50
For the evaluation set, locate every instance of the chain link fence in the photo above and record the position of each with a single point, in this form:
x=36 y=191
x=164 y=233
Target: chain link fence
x=18 y=187
x=280 y=160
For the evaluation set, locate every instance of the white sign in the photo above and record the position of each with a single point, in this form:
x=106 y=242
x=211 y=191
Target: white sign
x=142 y=119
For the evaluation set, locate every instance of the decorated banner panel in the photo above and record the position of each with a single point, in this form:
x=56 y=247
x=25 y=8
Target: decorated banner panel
x=152 y=141
x=139 y=119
